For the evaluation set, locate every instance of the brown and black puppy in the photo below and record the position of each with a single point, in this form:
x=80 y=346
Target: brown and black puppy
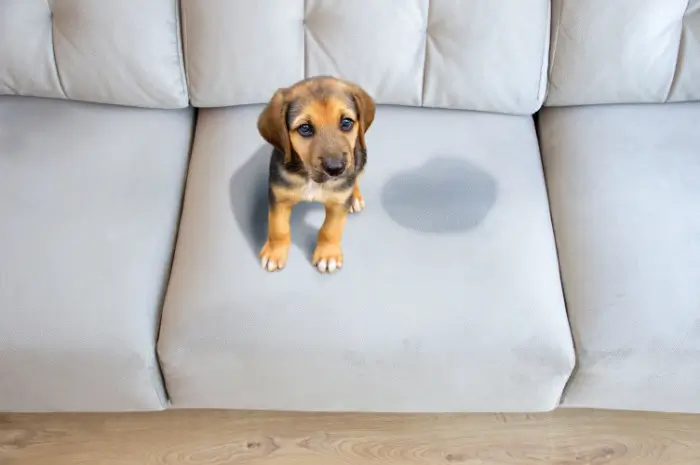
x=317 y=128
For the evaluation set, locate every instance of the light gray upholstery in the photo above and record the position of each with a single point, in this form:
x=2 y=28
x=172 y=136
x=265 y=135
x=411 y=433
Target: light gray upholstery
x=125 y=52
x=624 y=51
x=89 y=203
x=625 y=196
x=449 y=298
x=488 y=55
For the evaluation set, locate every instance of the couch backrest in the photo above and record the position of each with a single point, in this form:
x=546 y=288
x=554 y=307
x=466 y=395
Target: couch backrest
x=125 y=52
x=488 y=55
x=624 y=51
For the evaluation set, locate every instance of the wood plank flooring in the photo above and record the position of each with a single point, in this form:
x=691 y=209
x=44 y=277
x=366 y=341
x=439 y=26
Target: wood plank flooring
x=566 y=437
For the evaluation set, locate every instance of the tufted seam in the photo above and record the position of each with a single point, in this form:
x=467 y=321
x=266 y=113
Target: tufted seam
x=425 y=54
x=681 y=42
x=321 y=47
x=180 y=45
x=540 y=99
x=53 y=50
x=554 y=45
x=305 y=51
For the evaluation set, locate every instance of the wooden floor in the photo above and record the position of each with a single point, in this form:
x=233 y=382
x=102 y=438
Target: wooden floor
x=567 y=437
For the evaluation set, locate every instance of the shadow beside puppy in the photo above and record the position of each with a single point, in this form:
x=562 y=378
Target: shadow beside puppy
x=248 y=189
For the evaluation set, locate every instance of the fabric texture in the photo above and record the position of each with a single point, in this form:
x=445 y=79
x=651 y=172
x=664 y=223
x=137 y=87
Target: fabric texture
x=624 y=51
x=449 y=298
x=625 y=197
x=89 y=203
x=488 y=55
x=125 y=52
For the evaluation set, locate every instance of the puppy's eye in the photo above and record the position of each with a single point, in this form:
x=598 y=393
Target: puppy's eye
x=346 y=124
x=305 y=130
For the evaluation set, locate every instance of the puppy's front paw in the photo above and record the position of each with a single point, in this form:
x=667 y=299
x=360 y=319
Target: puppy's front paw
x=273 y=256
x=328 y=257
x=357 y=203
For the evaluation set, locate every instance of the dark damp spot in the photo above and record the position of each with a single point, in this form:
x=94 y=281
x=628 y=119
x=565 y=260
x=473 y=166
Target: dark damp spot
x=444 y=195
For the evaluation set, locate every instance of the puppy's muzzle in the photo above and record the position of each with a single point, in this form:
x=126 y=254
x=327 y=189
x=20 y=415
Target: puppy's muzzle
x=333 y=165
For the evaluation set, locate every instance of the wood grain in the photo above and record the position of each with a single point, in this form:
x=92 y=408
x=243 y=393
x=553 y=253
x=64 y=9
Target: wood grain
x=566 y=437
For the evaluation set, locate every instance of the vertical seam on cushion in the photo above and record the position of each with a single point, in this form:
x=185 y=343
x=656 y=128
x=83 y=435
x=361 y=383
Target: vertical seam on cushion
x=681 y=42
x=554 y=46
x=181 y=49
x=158 y=380
x=544 y=62
x=425 y=55
x=171 y=264
x=562 y=286
x=574 y=371
x=53 y=51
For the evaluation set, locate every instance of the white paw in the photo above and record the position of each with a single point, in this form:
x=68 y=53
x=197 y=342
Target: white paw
x=271 y=264
x=273 y=258
x=329 y=266
x=357 y=205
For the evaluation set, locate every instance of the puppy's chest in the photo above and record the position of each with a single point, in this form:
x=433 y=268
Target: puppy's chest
x=312 y=192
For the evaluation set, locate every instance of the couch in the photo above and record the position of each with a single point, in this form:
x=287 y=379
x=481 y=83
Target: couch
x=531 y=238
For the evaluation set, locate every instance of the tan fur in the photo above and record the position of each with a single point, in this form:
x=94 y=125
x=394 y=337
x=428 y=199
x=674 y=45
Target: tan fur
x=356 y=194
x=320 y=103
x=275 y=250
x=329 y=237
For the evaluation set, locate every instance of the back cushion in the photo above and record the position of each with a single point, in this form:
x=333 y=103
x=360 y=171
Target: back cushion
x=624 y=51
x=109 y=51
x=488 y=55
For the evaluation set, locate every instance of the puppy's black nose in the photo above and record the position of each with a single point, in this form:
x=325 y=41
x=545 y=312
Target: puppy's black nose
x=333 y=166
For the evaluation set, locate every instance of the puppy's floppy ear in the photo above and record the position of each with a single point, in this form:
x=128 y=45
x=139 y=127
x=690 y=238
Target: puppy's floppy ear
x=272 y=124
x=365 y=107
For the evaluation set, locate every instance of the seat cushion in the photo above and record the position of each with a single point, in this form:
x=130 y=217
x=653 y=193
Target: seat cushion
x=623 y=183
x=449 y=298
x=89 y=203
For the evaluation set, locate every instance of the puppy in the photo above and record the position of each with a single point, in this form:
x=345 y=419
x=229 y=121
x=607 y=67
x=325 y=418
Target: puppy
x=317 y=128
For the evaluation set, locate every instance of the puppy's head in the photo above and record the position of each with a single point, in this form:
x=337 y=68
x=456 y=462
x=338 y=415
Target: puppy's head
x=322 y=121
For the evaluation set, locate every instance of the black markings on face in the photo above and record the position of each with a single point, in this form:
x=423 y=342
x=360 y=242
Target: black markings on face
x=360 y=157
x=325 y=92
x=277 y=166
x=347 y=182
x=271 y=199
x=293 y=111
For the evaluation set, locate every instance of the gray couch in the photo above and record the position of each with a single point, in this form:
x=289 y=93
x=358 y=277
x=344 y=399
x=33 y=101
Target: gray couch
x=532 y=234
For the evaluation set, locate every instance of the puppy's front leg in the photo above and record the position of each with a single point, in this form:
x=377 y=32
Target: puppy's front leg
x=357 y=202
x=273 y=255
x=328 y=256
